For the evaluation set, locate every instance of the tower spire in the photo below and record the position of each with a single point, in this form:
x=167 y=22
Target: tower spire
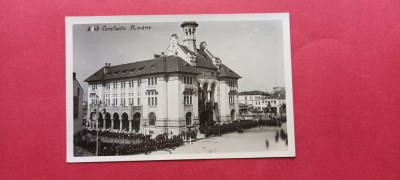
x=189 y=29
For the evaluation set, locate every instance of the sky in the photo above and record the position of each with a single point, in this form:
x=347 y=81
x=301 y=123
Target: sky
x=253 y=49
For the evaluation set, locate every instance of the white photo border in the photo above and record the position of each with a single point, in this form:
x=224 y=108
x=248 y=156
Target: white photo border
x=284 y=17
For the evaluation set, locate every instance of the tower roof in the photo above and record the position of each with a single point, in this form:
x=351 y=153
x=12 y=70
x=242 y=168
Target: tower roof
x=194 y=23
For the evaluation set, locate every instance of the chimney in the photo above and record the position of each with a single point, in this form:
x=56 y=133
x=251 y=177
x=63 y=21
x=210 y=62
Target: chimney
x=189 y=40
x=106 y=68
x=74 y=75
x=203 y=46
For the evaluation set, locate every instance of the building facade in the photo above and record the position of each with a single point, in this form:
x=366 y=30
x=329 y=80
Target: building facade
x=184 y=87
x=252 y=98
x=276 y=102
x=78 y=104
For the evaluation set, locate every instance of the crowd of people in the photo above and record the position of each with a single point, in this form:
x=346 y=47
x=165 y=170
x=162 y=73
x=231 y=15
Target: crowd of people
x=108 y=134
x=218 y=130
x=147 y=146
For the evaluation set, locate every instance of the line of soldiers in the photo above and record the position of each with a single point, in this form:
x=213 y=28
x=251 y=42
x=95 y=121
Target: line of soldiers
x=227 y=128
x=237 y=126
x=148 y=146
x=117 y=135
x=112 y=149
x=189 y=134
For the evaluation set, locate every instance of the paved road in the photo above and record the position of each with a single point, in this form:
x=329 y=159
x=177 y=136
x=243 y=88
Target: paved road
x=251 y=140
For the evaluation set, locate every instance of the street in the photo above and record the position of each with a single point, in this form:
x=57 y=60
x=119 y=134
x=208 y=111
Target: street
x=251 y=140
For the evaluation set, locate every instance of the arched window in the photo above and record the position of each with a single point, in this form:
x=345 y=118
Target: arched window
x=152 y=119
x=188 y=118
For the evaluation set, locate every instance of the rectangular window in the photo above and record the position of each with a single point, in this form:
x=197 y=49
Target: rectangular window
x=152 y=98
x=187 y=80
x=187 y=97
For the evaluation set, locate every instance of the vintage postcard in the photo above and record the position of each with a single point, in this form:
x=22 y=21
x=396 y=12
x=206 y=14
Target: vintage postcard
x=172 y=87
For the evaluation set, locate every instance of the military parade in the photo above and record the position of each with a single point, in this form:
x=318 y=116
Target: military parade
x=123 y=143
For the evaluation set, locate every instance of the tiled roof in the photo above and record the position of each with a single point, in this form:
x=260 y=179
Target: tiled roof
x=276 y=96
x=201 y=60
x=119 y=71
x=163 y=64
x=255 y=92
x=226 y=72
x=169 y=64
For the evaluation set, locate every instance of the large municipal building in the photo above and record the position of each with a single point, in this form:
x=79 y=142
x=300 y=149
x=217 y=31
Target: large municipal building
x=185 y=86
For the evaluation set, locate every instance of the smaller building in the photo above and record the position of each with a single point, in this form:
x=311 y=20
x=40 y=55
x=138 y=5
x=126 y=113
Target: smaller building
x=276 y=102
x=78 y=103
x=253 y=98
x=84 y=115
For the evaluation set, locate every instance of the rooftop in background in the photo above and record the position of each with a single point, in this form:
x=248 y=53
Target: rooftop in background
x=255 y=92
x=276 y=96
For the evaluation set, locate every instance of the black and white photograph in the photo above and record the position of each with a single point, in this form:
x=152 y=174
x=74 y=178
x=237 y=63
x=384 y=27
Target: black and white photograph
x=174 y=87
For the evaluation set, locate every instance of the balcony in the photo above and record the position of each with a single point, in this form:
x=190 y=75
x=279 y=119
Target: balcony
x=136 y=108
x=108 y=108
x=124 y=108
x=151 y=86
x=92 y=90
x=189 y=86
x=188 y=107
x=233 y=89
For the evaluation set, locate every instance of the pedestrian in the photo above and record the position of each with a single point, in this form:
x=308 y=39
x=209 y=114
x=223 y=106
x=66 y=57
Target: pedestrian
x=267 y=143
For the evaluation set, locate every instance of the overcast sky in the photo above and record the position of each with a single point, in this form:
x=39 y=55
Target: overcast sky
x=253 y=49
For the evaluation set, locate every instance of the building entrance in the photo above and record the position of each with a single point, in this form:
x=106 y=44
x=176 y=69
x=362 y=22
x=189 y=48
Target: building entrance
x=206 y=118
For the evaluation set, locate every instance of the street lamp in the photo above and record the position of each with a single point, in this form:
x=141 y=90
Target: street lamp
x=145 y=125
x=190 y=133
x=96 y=116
